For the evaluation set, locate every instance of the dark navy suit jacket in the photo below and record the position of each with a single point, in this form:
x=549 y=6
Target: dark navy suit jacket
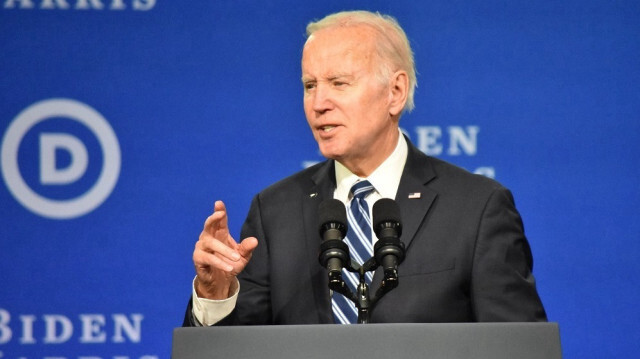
x=467 y=257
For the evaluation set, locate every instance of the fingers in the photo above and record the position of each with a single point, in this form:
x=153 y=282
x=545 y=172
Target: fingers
x=214 y=273
x=219 y=206
x=217 y=257
x=211 y=255
x=211 y=252
x=220 y=243
x=216 y=248
x=218 y=220
x=247 y=246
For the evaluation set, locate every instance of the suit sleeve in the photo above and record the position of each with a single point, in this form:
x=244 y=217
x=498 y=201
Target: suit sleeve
x=503 y=286
x=254 y=300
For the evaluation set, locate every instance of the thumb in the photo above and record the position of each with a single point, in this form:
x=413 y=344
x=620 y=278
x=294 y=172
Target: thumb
x=246 y=247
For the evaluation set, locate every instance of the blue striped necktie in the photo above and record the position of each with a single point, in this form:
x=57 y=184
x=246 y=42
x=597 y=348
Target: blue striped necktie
x=359 y=240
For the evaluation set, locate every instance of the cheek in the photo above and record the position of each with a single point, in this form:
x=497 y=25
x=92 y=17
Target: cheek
x=308 y=112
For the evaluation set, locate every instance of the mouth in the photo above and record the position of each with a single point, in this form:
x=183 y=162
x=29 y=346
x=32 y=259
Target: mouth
x=327 y=128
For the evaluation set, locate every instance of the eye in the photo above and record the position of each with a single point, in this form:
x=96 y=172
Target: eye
x=309 y=85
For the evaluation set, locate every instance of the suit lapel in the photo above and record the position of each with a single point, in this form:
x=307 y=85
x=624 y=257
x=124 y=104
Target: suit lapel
x=321 y=187
x=414 y=199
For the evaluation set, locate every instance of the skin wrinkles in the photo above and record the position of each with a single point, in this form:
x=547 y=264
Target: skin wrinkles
x=352 y=114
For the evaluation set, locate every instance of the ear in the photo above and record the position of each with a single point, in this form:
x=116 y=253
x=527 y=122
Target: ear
x=398 y=92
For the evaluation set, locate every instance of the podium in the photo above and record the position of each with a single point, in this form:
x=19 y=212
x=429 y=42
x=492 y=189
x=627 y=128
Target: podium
x=398 y=341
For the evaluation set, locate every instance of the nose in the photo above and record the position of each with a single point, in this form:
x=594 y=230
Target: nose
x=321 y=101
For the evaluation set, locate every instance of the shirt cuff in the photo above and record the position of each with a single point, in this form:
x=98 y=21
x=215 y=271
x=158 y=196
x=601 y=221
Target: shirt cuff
x=209 y=311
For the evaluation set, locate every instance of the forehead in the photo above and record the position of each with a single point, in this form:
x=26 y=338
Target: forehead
x=338 y=49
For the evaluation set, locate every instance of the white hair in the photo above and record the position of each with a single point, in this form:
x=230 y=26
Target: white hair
x=392 y=44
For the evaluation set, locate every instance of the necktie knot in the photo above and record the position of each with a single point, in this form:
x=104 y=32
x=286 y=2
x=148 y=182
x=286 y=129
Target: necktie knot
x=361 y=189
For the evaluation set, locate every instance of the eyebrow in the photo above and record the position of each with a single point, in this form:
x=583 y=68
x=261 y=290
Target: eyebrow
x=340 y=76
x=330 y=77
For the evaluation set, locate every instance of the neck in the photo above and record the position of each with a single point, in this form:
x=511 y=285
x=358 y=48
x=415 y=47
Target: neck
x=363 y=167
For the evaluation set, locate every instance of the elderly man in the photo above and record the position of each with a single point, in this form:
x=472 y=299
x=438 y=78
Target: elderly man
x=467 y=258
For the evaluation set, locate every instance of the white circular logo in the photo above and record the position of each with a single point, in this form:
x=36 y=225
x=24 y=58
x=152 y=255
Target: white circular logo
x=87 y=116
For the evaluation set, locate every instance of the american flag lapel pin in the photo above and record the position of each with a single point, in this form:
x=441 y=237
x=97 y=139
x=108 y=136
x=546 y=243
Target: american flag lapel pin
x=414 y=195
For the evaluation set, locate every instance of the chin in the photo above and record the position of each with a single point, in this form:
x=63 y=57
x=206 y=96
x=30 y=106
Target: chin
x=328 y=152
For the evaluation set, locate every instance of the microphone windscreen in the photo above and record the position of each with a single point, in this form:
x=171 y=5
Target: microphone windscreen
x=332 y=211
x=385 y=210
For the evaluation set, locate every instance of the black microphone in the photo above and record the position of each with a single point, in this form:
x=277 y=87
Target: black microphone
x=388 y=251
x=334 y=253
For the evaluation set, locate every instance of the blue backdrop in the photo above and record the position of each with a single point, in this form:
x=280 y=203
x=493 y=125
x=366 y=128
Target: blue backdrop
x=122 y=121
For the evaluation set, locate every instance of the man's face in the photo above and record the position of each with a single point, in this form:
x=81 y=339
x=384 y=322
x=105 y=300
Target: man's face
x=346 y=104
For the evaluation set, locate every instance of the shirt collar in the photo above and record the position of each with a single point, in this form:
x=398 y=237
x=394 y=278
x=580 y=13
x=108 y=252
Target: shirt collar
x=385 y=179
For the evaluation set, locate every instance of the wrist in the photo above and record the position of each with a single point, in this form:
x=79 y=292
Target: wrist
x=219 y=291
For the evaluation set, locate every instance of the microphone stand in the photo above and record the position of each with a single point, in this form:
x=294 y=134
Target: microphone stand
x=362 y=298
x=388 y=251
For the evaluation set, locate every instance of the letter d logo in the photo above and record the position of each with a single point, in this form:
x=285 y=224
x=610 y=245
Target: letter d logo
x=52 y=143
x=49 y=143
